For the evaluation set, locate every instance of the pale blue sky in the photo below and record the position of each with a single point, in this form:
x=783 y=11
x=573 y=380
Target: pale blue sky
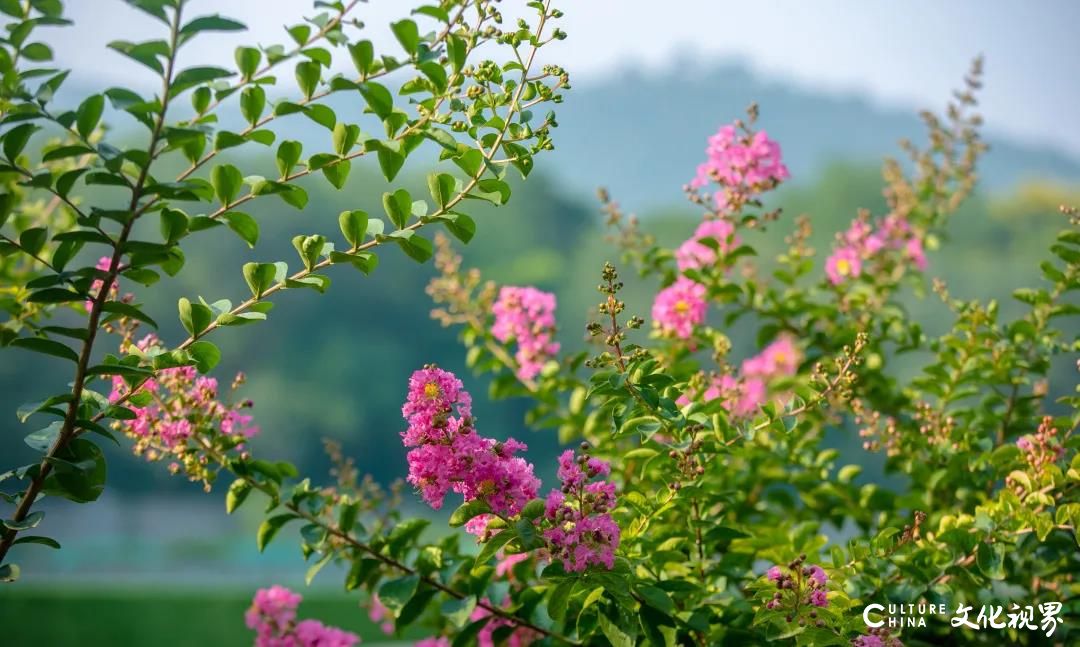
x=898 y=53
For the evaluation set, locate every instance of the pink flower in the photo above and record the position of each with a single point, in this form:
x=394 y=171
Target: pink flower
x=447 y=453
x=520 y=637
x=694 y=254
x=818 y=575
x=379 y=613
x=680 y=307
x=506 y=564
x=272 y=615
x=103 y=265
x=582 y=531
x=774 y=574
x=742 y=165
x=526 y=316
x=868 y=640
x=818 y=598
x=312 y=633
x=915 y=253
x=778 y=359
x=184 y=406
x=843 y=264
x=440 y=641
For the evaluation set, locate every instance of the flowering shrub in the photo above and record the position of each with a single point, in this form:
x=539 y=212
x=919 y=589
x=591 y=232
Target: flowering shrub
x=706 y=502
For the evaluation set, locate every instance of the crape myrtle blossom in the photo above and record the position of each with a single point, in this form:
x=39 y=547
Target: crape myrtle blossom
x=526 y=316
x=520 y=637
x=273 y=617
x=582 y=531
x=742 y=164
x=695 y=254
x=864 y=242
x=798 y=587
x=680 y=307
x=178 y=412
x=742 y=393
x=447 y=454
x=95 y=288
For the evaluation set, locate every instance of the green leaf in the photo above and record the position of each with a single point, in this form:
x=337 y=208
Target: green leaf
x=244 y=226
x=460 y=225
x=194 y=76
x=395 y=594
x=308 y=74
x=42 y=440
x=467 y=511
x=560 y=598
x=237 y=494
x=414 y=245
x=247 y=60
x=259 y=277
x=337 y=174
x=148 y=53
x=79 y=472
x=252 y=103
x=30 y=521
x=990 y=559
x=378 y=98
x=88 y=114
x=270 y=527
x=33 y=240
x=533 y=509
x=46 y=346
x=194 y=316
x=398 y=205
x=492 y=546
x=206 y=356
x=407 y=34
x=614 y=633
x=344 y=137
x=209 y=23
x=38 y=539
x=442 y=187
x=174 y=225
x=363 y=55
x=458 y=612
x=657 y=598
x=227 y=181
x=288 y=154
x=353 y=226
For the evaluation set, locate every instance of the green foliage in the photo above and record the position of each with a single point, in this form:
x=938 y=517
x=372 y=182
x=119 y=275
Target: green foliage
x=66 y=155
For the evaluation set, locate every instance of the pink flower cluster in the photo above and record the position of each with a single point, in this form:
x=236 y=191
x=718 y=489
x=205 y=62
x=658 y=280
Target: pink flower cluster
x=680 y=307
x=273 y=617
x=582 y=531
x=175 y=406
x=742 y=394
x=694 y=254
x=526 y=316
x=743 y=164
x=95 y=288
x=1042 y=448
x=521 y=637
x=447 y=453
x=380 y=614
x=806 y=582
x=863 y=241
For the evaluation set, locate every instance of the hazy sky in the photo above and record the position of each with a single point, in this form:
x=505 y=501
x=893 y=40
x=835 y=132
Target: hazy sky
x=907 y=53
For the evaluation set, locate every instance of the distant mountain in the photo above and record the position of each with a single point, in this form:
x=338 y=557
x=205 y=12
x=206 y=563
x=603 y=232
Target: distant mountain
x=643 y=134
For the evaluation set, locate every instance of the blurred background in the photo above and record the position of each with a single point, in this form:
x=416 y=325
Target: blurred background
x=156 y=560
